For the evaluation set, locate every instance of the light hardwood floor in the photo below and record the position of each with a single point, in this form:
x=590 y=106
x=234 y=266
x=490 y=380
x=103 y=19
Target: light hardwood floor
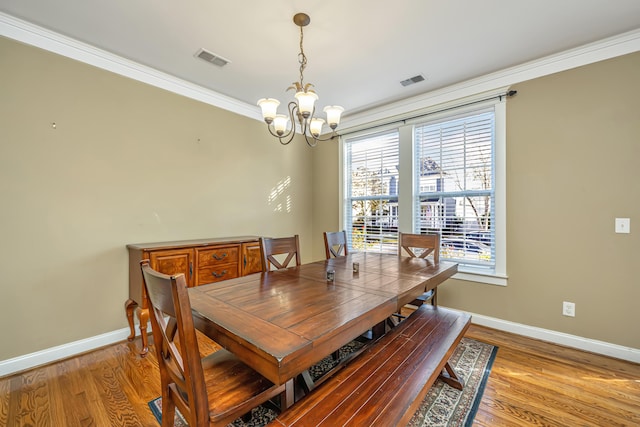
x=532 y=383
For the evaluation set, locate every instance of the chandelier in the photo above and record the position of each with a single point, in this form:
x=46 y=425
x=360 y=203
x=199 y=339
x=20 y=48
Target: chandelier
x=303 y=109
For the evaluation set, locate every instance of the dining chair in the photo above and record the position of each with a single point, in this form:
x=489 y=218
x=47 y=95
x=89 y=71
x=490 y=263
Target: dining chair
x=335 y=244
x=212 y=391
x=273 y=249
x=421 y=246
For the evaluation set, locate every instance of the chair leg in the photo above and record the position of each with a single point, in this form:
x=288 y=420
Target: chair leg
x=168 y=410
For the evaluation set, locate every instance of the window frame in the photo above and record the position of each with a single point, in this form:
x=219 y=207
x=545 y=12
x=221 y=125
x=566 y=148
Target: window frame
x=407 y=194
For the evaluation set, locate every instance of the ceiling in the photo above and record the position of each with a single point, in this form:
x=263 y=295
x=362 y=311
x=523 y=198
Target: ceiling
x=357 y=54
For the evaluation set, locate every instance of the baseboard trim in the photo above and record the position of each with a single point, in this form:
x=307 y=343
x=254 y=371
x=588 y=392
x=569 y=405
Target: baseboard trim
x=53 y=354
x=43 y=357
x=600 y=347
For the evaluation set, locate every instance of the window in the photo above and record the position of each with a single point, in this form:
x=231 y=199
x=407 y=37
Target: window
x=443 y=175
x=371 y=205
x=454 y=161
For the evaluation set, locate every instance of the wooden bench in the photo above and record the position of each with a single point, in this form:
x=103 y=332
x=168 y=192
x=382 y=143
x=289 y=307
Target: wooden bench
x=385 y=385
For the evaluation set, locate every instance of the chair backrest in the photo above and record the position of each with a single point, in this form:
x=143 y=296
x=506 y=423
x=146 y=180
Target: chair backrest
x=175 y=341
x=335 y=243
x=287 y=246
x=427 y=243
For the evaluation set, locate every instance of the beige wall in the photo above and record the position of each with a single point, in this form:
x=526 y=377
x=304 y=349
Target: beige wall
x=127 y=163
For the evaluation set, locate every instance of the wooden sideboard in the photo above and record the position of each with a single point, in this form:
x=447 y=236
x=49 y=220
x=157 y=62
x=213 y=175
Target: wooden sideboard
x=201 y=261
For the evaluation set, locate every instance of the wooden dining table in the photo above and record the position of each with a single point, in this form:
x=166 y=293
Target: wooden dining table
x=282 y=322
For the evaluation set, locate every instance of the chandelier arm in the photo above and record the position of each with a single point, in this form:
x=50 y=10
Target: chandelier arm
x=309 y=143
x=294 y=113
x=292 y=134
x=269 y=128
x=332 y=136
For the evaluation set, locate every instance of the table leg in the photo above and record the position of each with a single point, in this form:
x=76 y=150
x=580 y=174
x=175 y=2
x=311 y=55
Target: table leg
x=450 y=377
x=306 y=381
x=379 y=329
x=289 y=396
x=129 y=306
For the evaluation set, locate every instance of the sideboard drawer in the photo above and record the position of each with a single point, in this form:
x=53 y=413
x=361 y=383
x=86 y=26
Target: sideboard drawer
x=218 y=255
x=217 y=273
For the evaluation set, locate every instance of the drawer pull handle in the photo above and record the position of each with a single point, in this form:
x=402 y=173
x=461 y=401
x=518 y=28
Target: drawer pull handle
x=219 y=275
x=219 y=258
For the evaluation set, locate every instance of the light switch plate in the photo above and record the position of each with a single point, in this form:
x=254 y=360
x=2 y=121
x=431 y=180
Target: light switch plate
x=623 y=225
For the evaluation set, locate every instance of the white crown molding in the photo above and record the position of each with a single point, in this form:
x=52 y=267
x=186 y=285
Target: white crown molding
x=34 y=35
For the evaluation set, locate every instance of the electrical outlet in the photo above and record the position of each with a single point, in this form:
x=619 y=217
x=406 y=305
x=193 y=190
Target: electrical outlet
x=623 y=225
x=568 y=309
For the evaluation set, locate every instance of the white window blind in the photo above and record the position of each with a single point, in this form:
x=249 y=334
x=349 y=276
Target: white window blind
x=371 y=205
x=454 y=178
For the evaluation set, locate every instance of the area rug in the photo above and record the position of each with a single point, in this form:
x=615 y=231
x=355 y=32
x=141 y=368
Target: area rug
x=443 y=406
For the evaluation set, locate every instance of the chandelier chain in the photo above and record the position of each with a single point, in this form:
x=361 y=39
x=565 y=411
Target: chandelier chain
x=302 y=58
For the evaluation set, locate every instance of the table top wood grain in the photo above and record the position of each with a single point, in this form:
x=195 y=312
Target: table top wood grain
x=282 y=322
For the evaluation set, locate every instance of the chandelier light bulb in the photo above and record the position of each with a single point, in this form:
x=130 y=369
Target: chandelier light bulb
x=333 y=115
x=306 y=100
x=280 y=123
x=269 y=108
x=315 y=127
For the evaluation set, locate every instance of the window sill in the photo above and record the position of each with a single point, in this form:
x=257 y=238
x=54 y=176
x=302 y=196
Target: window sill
x=481 y=277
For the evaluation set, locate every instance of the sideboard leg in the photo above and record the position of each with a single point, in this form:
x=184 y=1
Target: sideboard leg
x=129 y=306
x=143 y=315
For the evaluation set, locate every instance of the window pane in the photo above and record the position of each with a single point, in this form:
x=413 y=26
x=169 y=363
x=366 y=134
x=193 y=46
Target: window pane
x=372 y=187
x=454 y=178
x=464 y=224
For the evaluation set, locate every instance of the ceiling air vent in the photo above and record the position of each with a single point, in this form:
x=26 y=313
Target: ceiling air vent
x=412 y=80
x=212 y=58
